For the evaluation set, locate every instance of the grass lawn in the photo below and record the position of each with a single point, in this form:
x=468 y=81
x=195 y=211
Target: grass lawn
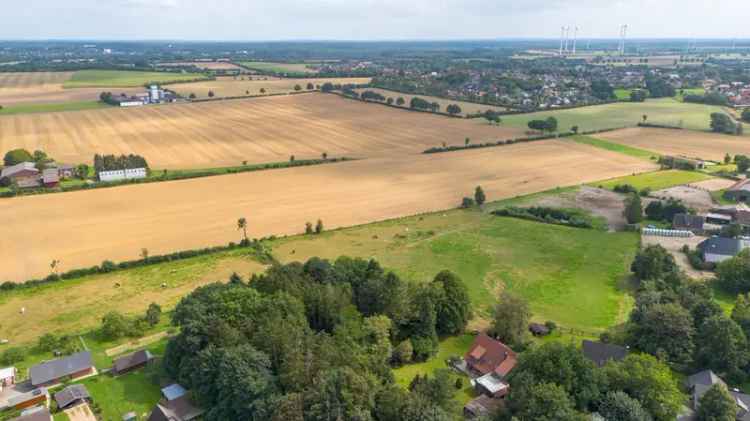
x=125 y=78
x=50 y=108
x=576 y=277
x=682 y=93
x=656 y=180
x=614 y=147
x=623 y=94
x=117 y=396
x=621 y=114
x=712 y=169
x=288 y=68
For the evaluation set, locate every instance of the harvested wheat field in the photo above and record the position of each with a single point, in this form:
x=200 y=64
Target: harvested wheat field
x=681 y=142
x=224 y=133
x=46 y=88
x=86 y=227
x=232 y=87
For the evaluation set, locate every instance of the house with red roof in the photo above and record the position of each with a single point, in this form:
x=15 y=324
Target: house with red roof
x=490 y=361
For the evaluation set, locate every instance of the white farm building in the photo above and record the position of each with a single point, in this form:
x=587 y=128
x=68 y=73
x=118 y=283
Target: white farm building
x=117 y=175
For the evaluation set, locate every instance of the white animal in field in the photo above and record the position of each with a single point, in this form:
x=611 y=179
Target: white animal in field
x=23 y=310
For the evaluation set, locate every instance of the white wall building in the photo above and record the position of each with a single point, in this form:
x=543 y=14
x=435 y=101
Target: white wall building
x=117 y=175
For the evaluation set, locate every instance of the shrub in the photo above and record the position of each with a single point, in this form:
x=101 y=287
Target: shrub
x=12 y=355
x=570 y=217
x=467 y=202
x=309 y=228
x=625 y=188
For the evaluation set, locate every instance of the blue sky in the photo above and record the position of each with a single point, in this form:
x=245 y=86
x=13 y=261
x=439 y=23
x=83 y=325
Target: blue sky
x=251 y=20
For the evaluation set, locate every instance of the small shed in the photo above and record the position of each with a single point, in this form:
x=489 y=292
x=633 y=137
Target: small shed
x=72 y=396
x=132 y=362
x=538 y=329
x=173 y=391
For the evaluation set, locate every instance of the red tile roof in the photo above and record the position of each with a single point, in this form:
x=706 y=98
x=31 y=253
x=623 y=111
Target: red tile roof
x=488 y=355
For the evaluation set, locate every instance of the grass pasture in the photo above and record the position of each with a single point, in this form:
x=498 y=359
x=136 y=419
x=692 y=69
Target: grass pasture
x=236 y=87
x=290 y=69
x=124 y=78
x=614 y=147
x=196 y=213
x=576 y=277
x=77 y=311
x=466 y=107
x=705 y=145
x=119 y=395
x=621 y=114
x=656 y=180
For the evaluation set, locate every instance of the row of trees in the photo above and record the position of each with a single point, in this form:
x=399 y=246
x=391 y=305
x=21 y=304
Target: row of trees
x=122 y=162
x=547 y=125
x=316 y=341
x=722 y=123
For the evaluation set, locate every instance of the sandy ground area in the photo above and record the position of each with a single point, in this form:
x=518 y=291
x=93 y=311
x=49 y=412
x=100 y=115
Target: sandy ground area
x=714 y=184
x=80 y=413
x=86 y=227
x=681 y=142
x=694 y=198
x=225 y=133
x=599 y=202
x=674 y=245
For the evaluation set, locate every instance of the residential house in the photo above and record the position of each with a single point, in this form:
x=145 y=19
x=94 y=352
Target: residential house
x=739 y=192
x=51 y=177
x=718 y=249
x=686 y=222
x=71 y=367
x=72 y=396
x=699 y=383
x=28 y=399
x=131 y=362
x=37 y=413
x=489 y=362
x=175 y=406
x=23 y=175
x=7 y=377
x=600 y=353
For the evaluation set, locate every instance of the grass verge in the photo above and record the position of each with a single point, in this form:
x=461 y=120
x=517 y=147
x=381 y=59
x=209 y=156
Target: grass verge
x=615 y=147
x=656 y=180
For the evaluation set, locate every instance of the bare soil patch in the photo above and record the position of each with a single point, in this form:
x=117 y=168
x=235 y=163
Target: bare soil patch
x=86 y=227
x=599 y=202
x=80 y=412
x=225 y=133
x=715 y=184
x=681 y=142
x=694 y=198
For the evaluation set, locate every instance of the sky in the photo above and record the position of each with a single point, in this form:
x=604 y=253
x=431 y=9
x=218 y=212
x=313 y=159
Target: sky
x=260 y=20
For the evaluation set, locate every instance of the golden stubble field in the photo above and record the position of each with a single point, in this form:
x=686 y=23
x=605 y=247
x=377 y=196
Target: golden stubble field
x=86 y=227
x=231 y=86
x=47 y=88
x=689 y=143
x=225 y=133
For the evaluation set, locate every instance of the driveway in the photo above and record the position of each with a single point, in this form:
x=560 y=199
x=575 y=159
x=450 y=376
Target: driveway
x=80 y=413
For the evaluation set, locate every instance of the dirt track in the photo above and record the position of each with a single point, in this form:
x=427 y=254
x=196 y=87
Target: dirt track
x=84 y=228
x=681 y=142
x=225 y=133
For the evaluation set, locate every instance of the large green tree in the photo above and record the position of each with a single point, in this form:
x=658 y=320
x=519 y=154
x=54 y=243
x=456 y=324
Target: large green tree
x=653 y=262
x=633 y=209
x=618 y=406
x=547 y=402
x=511 y=318
x=665 y=329
x=722 y=123
x=453 y=305
x=16 y=156
x=721 y=345
x=717 y=405
x=647 y=380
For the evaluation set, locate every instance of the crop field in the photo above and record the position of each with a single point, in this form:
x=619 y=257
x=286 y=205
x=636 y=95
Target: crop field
x=293 y=68
x=86 y=227
x=621 y=114
x=234 y=87
x=123 y=78
x=225 y=133
x=28 y=89
x=681 y=142
x=466 y=107
x=207 y=65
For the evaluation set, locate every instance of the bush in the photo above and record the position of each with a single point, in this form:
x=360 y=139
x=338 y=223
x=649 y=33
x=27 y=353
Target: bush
x=12 y=356
x=16 y=156
x=569 y=217
x=625 y=188
x=403 y=352
x=467 y=202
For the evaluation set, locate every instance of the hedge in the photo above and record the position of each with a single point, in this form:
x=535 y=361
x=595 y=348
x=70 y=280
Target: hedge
x=108 y=266
x=174 y=177
x=547 y=215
